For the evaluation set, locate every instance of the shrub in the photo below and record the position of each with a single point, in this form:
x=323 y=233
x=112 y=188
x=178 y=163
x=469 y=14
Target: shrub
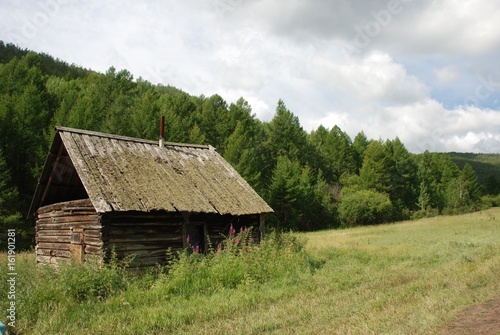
x=425 y=213
x=364 y=207
x=489 y=201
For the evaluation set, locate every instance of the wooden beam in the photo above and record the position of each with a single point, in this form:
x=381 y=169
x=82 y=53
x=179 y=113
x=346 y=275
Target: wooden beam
x=51 y=178
x=262 y=224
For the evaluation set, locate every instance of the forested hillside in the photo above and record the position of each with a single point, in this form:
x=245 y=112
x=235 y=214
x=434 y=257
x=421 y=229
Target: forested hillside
x=312 y=180
x=487 y=167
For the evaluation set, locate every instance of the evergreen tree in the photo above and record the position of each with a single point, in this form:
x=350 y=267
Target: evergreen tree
x=119 y=92
x=214 y=121
x=242 y=153
x=470 y=189
x=359 y=146
x=145 y=112
x=427 y=175
x=375 y=172
x=84 y=105
x=286 y=136
x=241 y=111
x=26 y=108
x=340 y=151
x=9 y=216
x=196 y=136
x=403 y=180
x=179 y=110
x=491 y=185
x=448 y=173
x=284 y=194
x=318 y=207
x=424 y=197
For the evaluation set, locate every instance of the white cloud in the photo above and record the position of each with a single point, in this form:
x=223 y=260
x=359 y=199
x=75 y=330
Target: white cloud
x=446 y=75
x=410 y=80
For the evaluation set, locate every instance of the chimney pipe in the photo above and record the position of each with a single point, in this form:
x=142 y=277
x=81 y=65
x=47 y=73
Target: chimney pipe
x=162 y=129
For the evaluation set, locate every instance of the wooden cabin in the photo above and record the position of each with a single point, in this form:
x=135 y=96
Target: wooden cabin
x=101 y=192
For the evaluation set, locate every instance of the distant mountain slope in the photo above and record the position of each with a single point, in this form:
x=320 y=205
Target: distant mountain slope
x=483 y=164
x=52 y=66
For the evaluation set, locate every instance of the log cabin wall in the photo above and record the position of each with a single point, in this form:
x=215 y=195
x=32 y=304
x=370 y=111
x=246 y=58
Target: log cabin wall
x=68 y=230
x=148 y=236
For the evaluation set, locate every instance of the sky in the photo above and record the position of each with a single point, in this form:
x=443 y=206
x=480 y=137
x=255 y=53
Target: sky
x=424 y=71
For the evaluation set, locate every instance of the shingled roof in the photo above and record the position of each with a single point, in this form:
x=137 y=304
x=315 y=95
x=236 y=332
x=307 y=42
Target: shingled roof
x=122 y=173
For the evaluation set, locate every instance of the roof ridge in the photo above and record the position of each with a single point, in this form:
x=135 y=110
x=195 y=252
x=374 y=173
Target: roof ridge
x=128 y=138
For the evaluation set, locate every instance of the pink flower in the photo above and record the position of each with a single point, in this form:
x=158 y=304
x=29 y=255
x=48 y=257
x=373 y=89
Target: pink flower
x=232 y=231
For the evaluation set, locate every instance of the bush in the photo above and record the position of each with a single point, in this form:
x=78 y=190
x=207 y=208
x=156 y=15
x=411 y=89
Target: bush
x=425 y=213
x=459 y=210
x=364 y=207
x=489 y=201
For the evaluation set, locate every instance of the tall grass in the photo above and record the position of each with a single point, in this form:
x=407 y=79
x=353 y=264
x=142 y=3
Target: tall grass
x=405 y=278
x=240 y=262
x=73 y=298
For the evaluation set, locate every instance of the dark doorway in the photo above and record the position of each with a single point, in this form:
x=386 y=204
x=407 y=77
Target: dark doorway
x=196 y=237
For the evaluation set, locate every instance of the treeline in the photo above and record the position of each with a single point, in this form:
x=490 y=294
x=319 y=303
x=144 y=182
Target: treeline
x=312 y=180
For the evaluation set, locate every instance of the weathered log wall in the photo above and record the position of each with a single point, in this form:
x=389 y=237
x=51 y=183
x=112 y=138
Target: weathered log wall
x=145 y=236
x=148 y=236
x=68 y=229
x=73 y=229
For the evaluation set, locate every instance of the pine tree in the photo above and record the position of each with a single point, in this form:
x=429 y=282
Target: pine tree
x=375 y=172
x=196 y=136
x=118 y=88
x=9 y=216
x=491 y=185
x=286 y=136
x=242 y=153
x=340 y=151
x=284 y=194
x=403 y=189
x=26 y=108
x=214 y=121
x=470 y=188
x=359 y=146
x=429 y=196
x=145 y=112
x=179 y=110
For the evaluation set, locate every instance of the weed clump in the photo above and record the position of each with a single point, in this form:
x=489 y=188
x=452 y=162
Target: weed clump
x=93 y=280
x=238 y=262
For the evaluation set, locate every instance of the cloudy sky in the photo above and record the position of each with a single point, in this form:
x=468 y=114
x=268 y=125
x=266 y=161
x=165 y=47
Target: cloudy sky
x=425 y=71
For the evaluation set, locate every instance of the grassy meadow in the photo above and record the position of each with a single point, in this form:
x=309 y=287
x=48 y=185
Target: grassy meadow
x=404 y=278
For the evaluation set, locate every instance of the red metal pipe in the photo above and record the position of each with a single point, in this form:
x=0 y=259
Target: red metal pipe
x=162 y=126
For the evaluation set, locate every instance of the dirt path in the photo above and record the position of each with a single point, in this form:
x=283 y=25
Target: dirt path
x=480 y=319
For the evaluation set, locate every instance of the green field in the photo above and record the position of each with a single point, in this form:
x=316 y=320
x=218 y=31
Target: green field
x=404 y=278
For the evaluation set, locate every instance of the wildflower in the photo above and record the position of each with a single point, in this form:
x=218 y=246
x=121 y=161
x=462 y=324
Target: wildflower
x=232 y=231
x=196 y=250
